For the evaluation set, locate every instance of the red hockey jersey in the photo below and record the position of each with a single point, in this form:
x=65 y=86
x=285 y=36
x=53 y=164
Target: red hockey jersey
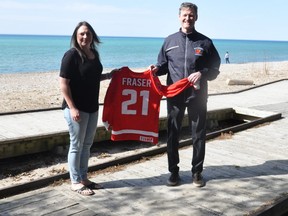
x=132 y=104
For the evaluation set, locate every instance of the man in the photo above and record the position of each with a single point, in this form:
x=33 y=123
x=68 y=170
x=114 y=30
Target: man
x=227 y=58
x=187 y=53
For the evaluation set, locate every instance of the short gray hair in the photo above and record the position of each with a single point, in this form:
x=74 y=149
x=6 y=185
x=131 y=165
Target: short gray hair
x=188 y=5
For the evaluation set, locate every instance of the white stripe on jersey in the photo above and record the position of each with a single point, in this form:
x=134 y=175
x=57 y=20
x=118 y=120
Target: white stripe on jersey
x=131 y=131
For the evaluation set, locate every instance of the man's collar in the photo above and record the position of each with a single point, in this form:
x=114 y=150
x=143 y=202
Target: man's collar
x=193 y=31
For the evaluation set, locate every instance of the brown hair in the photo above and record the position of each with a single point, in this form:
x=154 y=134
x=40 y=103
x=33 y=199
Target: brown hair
x=189 y=5
x=94 y=44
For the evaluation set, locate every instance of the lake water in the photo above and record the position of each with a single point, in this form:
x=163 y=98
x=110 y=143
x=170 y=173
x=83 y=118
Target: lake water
x=40 y=53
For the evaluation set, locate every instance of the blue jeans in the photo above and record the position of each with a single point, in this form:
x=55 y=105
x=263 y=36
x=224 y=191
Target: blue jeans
x=81 y=139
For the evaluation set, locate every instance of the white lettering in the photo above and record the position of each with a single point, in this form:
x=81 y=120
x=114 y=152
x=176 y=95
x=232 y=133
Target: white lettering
x=136 y=82
x=146 y=139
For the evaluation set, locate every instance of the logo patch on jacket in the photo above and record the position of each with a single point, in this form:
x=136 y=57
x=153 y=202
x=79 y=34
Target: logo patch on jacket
x=198 y=51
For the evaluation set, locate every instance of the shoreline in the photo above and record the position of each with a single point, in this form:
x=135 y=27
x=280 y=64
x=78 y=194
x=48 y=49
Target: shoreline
x=143 y=68
x=40 y=90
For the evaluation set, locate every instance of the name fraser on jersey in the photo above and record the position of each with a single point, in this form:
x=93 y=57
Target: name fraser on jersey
x=136 y=82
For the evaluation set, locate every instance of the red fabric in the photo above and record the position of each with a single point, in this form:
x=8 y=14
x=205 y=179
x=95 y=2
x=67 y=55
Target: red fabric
x=132 y=104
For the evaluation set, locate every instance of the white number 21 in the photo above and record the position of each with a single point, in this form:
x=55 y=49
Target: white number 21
x=133 y=100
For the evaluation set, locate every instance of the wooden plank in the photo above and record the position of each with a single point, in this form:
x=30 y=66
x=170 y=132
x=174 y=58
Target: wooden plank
x=50 y=202
x=48 y=206
x=25 y=199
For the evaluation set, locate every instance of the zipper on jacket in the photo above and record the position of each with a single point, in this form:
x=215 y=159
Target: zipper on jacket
x=186 y=92
x=185 y=57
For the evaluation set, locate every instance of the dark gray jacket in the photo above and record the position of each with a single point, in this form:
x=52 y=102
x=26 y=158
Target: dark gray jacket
x=183 y=54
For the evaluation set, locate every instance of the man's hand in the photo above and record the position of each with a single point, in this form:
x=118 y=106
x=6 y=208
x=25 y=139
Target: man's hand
x=194 y=77
x=153 y=68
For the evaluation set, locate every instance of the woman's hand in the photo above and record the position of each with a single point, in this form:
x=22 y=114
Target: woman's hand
x=75 y=114
x=114 y=71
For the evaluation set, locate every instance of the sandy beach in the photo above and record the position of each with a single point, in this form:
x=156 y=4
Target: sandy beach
x=29 y=91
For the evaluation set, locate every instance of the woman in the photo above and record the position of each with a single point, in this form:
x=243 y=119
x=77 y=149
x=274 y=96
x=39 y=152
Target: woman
x=80 y=76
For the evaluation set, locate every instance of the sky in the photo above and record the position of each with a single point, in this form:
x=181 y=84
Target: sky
x=218 y=19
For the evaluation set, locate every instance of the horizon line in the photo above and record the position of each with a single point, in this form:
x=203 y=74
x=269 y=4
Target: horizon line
x=111 y=36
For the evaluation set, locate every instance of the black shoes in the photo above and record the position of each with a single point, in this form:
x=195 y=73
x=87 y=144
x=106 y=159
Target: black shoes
x=174 y=179
x=198 y=180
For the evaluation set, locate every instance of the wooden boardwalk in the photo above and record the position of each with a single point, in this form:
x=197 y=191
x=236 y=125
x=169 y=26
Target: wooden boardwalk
x=245 y=172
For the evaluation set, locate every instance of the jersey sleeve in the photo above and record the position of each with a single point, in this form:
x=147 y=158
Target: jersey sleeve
x=171 y=90
x=107 y=115
x=177 y=87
